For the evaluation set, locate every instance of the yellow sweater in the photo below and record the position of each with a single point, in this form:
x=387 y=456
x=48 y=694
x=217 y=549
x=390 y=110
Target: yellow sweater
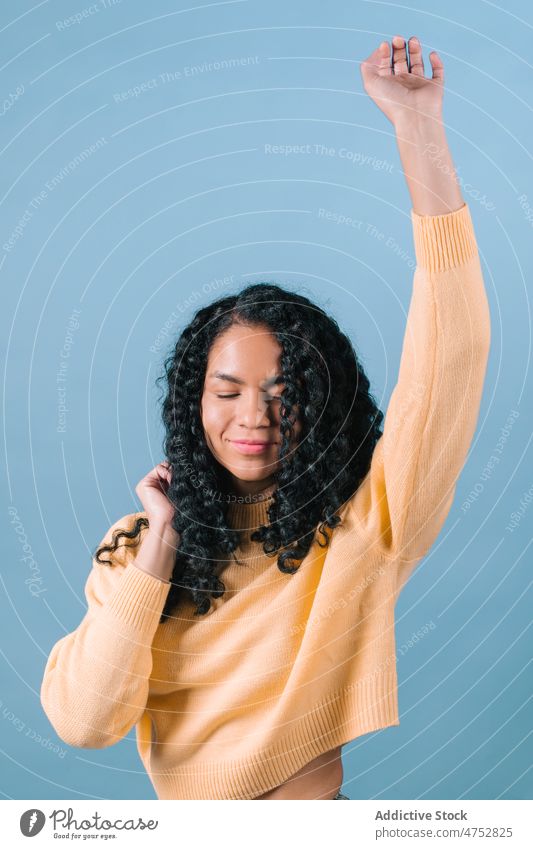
x=286 y=667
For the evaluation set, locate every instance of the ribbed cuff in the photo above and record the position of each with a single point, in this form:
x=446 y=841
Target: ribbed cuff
x=444 y=241
x=138 y=600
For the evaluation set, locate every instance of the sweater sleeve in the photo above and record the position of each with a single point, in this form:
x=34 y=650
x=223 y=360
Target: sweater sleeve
x=95 y=683
x=433 y=410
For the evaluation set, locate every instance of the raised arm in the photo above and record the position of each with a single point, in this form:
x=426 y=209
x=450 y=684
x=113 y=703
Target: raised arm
x=434 y=407
x=95 y=683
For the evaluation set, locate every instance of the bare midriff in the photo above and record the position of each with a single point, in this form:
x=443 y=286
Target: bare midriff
x=319 y=779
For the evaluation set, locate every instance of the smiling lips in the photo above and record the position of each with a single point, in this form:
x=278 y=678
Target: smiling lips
x=245 y=446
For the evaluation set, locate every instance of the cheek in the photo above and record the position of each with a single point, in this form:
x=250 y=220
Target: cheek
x=214 y=418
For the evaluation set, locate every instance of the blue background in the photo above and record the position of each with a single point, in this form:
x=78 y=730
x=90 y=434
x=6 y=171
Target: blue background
x=164 y=193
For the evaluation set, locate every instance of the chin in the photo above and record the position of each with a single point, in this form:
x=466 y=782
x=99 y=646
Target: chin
x=251 y=474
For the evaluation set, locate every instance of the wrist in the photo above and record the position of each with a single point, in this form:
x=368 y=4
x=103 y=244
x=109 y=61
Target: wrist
x=157 y=554
x=428 y=167
x=420 y=131
x=164 y=532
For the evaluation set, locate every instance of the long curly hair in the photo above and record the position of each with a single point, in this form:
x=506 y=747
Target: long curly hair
x=325 y=385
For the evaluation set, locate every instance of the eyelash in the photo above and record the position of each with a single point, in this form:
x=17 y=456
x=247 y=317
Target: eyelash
x=274 y=397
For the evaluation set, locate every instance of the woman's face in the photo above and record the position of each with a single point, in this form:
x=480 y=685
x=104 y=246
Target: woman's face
x=240 y=406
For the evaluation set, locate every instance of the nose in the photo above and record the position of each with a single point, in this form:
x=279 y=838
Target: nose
x=254 y=410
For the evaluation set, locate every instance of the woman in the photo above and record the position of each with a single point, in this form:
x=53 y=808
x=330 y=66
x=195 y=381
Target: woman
x=244 y=622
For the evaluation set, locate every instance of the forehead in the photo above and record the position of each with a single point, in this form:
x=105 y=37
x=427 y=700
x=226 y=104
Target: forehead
x=251 y=353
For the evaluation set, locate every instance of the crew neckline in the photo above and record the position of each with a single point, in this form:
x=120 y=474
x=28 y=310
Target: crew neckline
x=248 y=515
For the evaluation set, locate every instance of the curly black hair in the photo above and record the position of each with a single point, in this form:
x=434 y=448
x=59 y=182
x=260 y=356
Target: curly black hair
x=325 y=385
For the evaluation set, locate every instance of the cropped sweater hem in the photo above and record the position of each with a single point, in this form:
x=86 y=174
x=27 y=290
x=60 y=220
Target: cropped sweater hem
x=362 y=707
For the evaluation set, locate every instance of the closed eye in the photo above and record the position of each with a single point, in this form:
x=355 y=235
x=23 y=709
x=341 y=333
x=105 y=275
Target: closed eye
x=235 y=395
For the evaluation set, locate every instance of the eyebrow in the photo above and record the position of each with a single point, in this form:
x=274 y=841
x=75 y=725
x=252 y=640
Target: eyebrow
x=232 y=379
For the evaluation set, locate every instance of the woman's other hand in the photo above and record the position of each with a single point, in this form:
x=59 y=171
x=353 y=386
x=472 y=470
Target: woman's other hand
x=400 y=89
x=152 y=491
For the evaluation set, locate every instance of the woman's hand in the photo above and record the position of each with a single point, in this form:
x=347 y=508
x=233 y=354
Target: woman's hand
x=157 y=554
x=152 y=491
x=400 y=89
x=414 y=106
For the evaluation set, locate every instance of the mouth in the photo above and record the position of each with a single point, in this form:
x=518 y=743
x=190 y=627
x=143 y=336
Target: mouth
x=247 y=446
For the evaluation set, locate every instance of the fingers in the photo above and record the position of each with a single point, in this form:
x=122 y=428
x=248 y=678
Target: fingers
x=399 y=55
x=436 y=66
x=416 y=62
x=164 y=469
x=378 y=63
x=384 y=63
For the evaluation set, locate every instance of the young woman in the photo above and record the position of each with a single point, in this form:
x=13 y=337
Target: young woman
x=243 y=621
